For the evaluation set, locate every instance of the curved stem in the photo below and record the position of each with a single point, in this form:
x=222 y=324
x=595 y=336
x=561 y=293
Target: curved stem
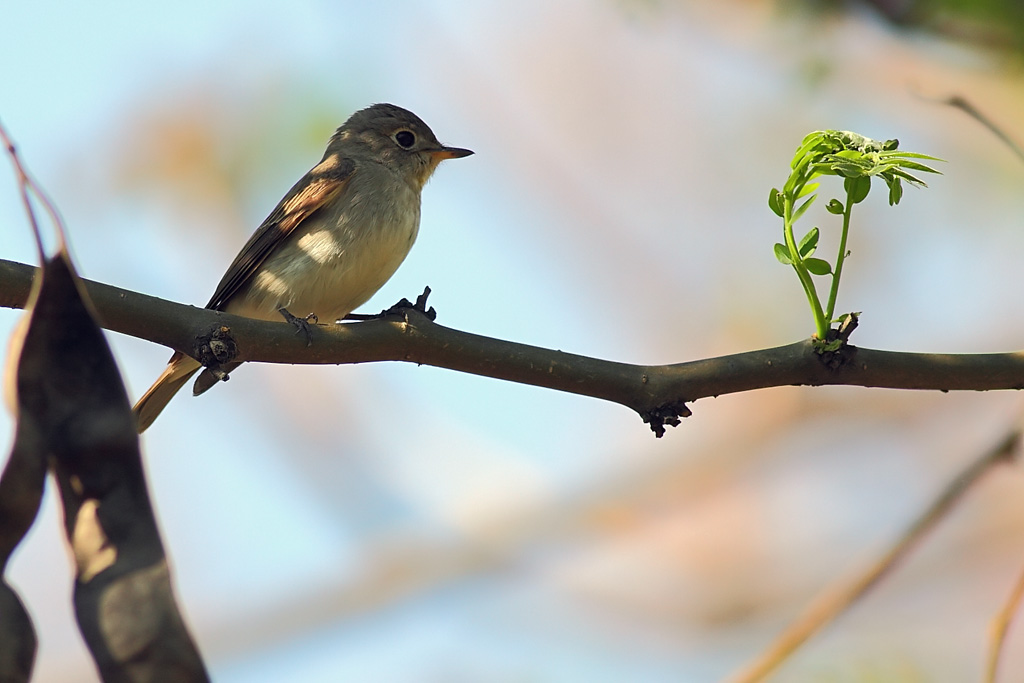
x=834 y=292
x=821 y=323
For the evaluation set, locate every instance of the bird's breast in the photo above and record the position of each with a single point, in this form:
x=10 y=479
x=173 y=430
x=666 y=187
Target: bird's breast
x=338 y=257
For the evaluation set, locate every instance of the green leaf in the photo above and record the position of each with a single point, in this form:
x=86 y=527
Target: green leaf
x=775 y=202
x=782 y=254
x=851 y=154
x=895 y=191
x=913 y=180
x=798 y=177
x=847 y=170
x=791 y=182
x=810 y=141
x=857 y=188
x=807 y=189
x=818 y=266
x=857 y=142
x=835 y=206
x=803 y=207
x=909 y=155
x=808 y=244
x=851 y=160
x=918 y=167
x=858 y=159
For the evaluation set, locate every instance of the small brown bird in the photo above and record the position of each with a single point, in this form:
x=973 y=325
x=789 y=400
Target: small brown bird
x=337 y=236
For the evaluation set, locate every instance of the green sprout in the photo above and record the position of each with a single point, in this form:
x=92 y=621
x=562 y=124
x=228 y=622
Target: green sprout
x=856 y=159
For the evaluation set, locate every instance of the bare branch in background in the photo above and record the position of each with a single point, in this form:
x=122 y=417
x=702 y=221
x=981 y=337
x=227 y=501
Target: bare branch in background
x=839 y=598
x=962 y=103
x=1000 y=625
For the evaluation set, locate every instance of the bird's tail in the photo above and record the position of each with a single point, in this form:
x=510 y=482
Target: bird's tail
x=174 y=376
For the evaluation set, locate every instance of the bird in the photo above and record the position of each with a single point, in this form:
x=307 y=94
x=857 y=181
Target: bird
x=332 y=241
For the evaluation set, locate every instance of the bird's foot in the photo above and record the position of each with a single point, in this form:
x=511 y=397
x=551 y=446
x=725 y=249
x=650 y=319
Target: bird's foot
x=402 y=307
x=405 y=305
x=302 y=324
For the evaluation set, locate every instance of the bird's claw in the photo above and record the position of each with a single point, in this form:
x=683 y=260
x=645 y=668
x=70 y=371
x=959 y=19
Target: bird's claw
x=420 y=306
x=401 y=308
x=303 y=325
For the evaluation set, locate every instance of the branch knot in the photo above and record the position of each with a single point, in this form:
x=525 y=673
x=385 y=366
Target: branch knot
x=665 y=414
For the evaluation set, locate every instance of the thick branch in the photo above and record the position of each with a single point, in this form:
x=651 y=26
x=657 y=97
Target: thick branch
x=643 y=388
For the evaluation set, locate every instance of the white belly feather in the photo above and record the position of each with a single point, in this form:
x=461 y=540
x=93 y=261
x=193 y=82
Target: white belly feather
x=339 y=257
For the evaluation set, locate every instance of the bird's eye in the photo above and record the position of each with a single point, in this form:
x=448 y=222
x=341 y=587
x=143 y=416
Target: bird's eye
x=405 y=139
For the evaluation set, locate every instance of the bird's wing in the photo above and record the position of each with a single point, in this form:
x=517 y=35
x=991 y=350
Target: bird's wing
x=323 y=183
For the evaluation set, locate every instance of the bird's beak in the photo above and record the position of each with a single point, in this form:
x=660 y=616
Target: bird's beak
x=442 y=153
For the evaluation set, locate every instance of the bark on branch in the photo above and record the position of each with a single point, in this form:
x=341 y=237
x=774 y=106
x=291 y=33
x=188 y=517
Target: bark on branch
x=657 y=392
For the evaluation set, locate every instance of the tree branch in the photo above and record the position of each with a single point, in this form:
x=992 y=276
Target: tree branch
x=839 y=598
x=657 y=392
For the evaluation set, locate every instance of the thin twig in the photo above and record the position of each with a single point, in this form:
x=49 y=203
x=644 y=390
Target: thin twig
x=963 y=105
x=26 y=185
x=837 y=599
x=23 y=185
x=1000 y=625
x=969 y=109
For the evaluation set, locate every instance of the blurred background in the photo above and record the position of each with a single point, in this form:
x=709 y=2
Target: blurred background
x=389 y=522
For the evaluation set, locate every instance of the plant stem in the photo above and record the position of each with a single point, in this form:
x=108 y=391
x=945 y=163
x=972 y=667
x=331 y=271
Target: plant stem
x=821 y=323
x=834 y=292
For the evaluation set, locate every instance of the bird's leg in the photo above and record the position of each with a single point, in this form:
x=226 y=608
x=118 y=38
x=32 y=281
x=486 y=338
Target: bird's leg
x=301 y=324
x=398 y=309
